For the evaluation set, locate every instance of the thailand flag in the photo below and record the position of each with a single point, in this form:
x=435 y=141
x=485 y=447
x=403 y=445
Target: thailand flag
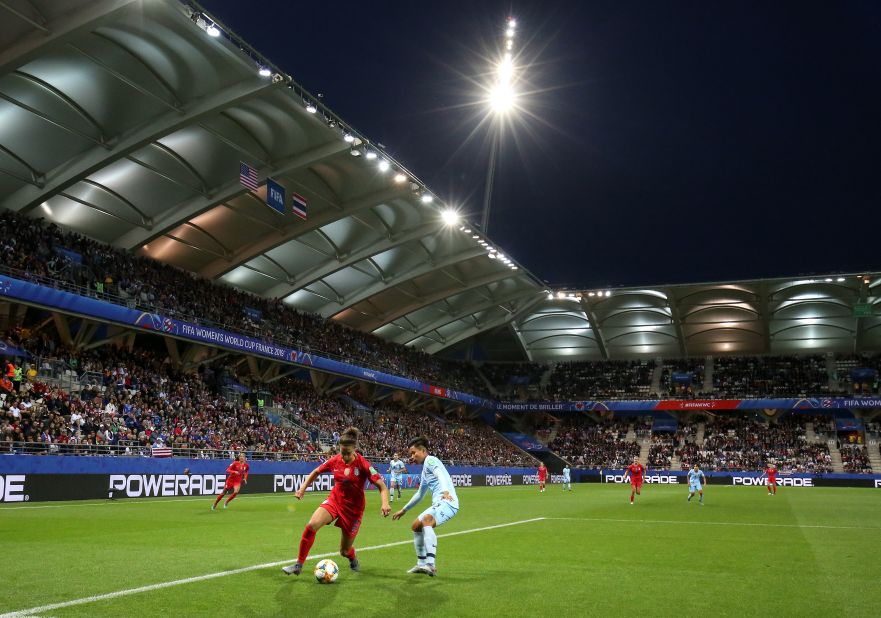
x=300 y=205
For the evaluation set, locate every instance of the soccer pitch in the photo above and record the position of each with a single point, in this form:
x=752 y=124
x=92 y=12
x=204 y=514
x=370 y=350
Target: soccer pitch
x=510 y=551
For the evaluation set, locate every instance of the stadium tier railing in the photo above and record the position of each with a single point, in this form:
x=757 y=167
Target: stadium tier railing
x=125 y=450
x=134 y=303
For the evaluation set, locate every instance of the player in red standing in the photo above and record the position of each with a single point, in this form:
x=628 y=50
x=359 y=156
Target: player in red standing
x=636 y=472
x=542 y=477
x=345 y=504
x=236 y=474
x=771 y=473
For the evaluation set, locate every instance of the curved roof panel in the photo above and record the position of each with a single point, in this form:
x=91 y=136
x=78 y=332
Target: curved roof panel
x=125 y=121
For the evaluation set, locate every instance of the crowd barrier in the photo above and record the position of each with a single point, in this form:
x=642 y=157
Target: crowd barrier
x=33 y=478
x=748 y=479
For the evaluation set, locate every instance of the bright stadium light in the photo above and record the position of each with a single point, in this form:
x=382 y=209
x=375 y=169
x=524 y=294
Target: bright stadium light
x=840 y=279
x=491 y=256
x=265 y=72
x=450 y=217
x=213 y=31
x=371 y=155
x=399 y=178
x=348 y=138
x=384 y=166
x=427 y=198
x=310 y=107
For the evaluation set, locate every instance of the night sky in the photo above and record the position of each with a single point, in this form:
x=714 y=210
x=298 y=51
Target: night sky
x=665 y=141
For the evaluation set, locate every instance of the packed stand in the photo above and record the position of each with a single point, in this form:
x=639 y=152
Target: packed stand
x=738 y=377
x=662 y=450
x=855 y=459
x=590 y=444
x=742 y=443
x=682 y=378
x=388 y=429
x=515 y=381
x=68 y=259
x=858 y=375
x=601 y=380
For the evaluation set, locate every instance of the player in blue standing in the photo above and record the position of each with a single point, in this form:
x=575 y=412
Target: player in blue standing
x=567 y=478
x=396 y=470
x=444 y=505
x=696 y=482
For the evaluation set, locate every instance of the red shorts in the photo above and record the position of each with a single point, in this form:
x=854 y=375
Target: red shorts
x=346 y=520
x=636 y=483
x=772 y=481
x=541 y=480
x=232 y=484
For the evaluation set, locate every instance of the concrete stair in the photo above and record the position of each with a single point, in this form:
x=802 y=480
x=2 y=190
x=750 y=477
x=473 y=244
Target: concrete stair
x=630 y=436
x=656 y=376
x=810 y=434
x=675 y=463
x=835 y=456
x=699 y=434
x=492 y=389
x=644 y=447
x=708 y=375
x=874 y=454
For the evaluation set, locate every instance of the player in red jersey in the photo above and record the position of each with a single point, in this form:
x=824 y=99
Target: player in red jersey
x=542 y=477
x=345 y=504
x=236 y=474
x=636 y=472
x=771 y=473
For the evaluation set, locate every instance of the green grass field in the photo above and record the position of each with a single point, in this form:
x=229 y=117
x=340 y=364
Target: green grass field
x=805 y=552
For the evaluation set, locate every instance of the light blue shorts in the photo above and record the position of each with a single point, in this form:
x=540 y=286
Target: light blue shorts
x=398 y=480
x=442 y=512
x=695 y=487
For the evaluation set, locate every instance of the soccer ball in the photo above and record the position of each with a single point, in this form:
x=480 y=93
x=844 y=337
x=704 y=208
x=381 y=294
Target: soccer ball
x=326 y=572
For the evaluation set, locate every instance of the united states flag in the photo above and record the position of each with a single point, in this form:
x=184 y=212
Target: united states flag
x=248 y=176
x=161 y=451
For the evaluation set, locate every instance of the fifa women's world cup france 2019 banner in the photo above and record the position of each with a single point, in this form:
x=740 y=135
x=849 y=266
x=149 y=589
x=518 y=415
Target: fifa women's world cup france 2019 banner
x=70 y=302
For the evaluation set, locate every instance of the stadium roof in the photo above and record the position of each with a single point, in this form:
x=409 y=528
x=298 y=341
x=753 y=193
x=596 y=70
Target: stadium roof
x=126 y=121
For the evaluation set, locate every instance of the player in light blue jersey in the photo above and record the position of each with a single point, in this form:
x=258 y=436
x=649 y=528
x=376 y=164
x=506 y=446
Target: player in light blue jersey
x=696 y=482
x=567 y=478
x=396 y=470
x=444 y=505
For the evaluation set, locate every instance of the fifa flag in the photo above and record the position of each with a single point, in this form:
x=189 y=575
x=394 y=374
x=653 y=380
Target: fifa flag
x=299 y=205
x=275 y=196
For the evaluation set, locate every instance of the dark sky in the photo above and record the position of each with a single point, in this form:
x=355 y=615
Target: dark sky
x=665 y=142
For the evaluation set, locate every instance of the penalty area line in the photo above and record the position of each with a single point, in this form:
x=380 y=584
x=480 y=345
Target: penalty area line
x=22 y=613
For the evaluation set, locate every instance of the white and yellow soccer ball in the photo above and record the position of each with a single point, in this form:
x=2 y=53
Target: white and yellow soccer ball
x=326 y=571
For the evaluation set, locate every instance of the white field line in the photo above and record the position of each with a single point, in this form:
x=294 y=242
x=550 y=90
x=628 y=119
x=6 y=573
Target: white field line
x=707 y=523
x=22 y=613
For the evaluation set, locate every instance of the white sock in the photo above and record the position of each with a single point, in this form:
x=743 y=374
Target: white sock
x=419 y=542
x=430 y=544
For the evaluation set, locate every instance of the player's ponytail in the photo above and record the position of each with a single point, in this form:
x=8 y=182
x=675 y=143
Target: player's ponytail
x=350 y=437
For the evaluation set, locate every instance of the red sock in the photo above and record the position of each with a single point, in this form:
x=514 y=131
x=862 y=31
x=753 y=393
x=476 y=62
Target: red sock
x=231 y=498
x=350 y=554
x=306 y=542
x=219 y=498
x=631 y=496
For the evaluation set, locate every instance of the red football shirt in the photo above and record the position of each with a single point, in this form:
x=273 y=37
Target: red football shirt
x=542 y=474
x=348 y=481
x=772 y=474
x=636 y=471
x=237 y=471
